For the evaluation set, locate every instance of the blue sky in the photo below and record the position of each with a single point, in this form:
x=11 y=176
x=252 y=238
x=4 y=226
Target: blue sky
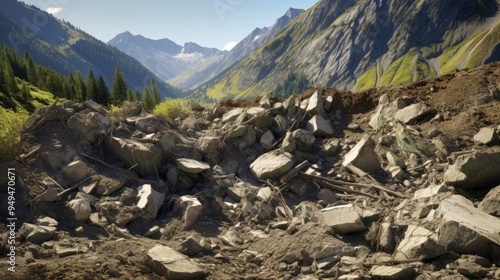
x=210 y=23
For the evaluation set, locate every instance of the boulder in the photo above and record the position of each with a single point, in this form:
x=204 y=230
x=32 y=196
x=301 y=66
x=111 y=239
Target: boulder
x=491 y=202
x=474 y=171
x=148 y=157
x=80 y=209
x=279 y=126
x=465 y=229
x=319 y=126
x=299 y=139
x=192 y=166
x=385 y=112
x=94 y=106
x=76 y=171
x=363 y=156
x=486 y=136
x=418 y=244
x=272 y=165
x=88 y=127
x=36 y=234
x=191 y=208
x=412 y=113
x=210 y=148
x=391 y=272
x=170 y=264
x=342 y=219
x=232 y=115
x=150 y=201
x=315 y=105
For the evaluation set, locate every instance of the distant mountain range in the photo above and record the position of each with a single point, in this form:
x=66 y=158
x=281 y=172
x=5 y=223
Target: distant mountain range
x=65 y=48
x=164 y=57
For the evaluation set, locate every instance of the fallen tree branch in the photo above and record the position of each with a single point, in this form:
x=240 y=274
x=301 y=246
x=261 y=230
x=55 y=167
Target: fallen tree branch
x=339 y=188
x=293 y=172
x=281 y=199
x=103 y=163
x=63 y=193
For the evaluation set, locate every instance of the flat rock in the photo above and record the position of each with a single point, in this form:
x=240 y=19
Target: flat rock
x=232 y=115
x=150 y=201
x=473 y=270
x=319 y=126
x=342 y=219
x=272 y=165
x=191 y=165
x=491 y=202
x=62 y=252
x=36 y=234
x=170 y=264
x=418 y=244
x=411 y=113
x=485 y=136
x=391 y=272
x=146 y=156
x=363 y=156
x=465 y=229
x=474 y=171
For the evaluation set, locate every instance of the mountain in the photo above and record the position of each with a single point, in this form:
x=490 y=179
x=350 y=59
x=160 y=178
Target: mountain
x=250 y=43
x=359 y=44
x=61 y=46
x=164 y=57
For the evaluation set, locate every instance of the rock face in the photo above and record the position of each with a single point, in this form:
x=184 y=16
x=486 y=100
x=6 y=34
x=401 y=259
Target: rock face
x=272 y=165
x=465 y=229
x=474 y=171
x=363 y=156
x=148 y=157
x=343 y=219
x=170 y=264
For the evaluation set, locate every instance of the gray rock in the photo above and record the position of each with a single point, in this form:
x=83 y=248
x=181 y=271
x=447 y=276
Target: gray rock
x=342 y=219
x=491 y=202
x=363 y=156
x=474 y=171
x=232 y=237
x=486 y=136
x=385 y=112
x=237 y=131
x=94 y=106
x=170 y=264
x=98 y=220
x=191 y=165
x=272 y=165
x=152 y=231
x=232 y=115
x=76 y=171
x=473 y=270
x=148 y=157
x=264 y=194
x=150 y=201
x=62 y=252
x=36 y=234
x=88 y=127
x=267 y=139
x=192 y=247
x=279 y=126
x=47 y=221
x=211 y=149
x=299 y=139
x=465 y=229
x=391 y=272
x=418 y=244
x=80 y=209
x=107 y=186
x=316 y=104
x=319 y=126
x=412 y=113
x=191 y=208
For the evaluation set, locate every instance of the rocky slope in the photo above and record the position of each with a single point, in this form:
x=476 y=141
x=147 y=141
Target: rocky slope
x=356 y=45
x=164 y=57
x=217 y=65
x=394 y=183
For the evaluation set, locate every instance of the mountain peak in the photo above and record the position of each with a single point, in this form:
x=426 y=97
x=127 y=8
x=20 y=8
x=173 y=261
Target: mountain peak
x=293 y=13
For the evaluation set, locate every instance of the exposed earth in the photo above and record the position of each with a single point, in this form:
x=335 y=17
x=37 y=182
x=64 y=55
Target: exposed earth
x=379 y=195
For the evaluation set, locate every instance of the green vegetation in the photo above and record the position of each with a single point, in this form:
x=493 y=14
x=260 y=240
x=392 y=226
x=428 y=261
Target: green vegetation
x=170 y=109
x=453 y=56
x=367 y=80
x=293 y=84
x=10 y=133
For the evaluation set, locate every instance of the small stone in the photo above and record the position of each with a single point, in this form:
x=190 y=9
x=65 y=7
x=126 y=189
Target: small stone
x=76 y=171
x=80 y=209
x=316 y=104
x=192 y=209
x=150 y=201
x=319 y=126
x=491 y=202
x=343 y=219
x=473 y=270
x=170 y=264
x=152 y=231
x=486 y=136
x=191 y=165
x=363 y=156
x=412 y=113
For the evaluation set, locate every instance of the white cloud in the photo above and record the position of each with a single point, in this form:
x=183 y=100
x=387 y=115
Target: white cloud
x=54 y=10
x=230 y=45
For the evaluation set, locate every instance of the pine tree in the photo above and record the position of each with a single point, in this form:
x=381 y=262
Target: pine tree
x=81 y=87
x=91 y=86
x=156 y=93
x=130 y=95
x=25 y=93
x=137 y=96
x=10 y=79
x=119 y=90
x=31 y=71
x=147 y=99
x=102 y=92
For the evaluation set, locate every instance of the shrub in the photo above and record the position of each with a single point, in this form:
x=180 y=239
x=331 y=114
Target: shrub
x=10 y=134
x=170 y=109
x=127 y=108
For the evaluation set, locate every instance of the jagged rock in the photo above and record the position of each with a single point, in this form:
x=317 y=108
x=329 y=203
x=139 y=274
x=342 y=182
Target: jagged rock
x=237 y=131
x=316 y=104
x=148 y=157
x=98 y=220
x=491 y=202
x=76 y=171
x=232 y=115
x=299 y=139
x=412 y=113
x=47 y=221
x=430 y=191
x=319 y=126
x=232 y=237
x=267 y=139
x=191 y=208
x=88 y=127
x=363 y=156
x=342 y=219
x=170 y=264
x=264 y=194
x=127 y=214
x=152 y=231
x=418 y=244
x=473 y=270
x=50 y=195
x=192 y=166
x=394 y=160
x=107 y=186
x=465 y=229
x=327 y=195
x=249 y=138
x=36 y=234
x=192 y=247
x=272 y=165
x=391 y=272
x=263 y=122
x=92 y=200
x=167 y=142
x=94 y=106
x=279 y=126
x=474 y=171
x=210 y=148
x=385 y=112
x=327 y=263
x=330 y=146
x=80 y=209
x=410 y=144
x=150 y=201
x=486 y=136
